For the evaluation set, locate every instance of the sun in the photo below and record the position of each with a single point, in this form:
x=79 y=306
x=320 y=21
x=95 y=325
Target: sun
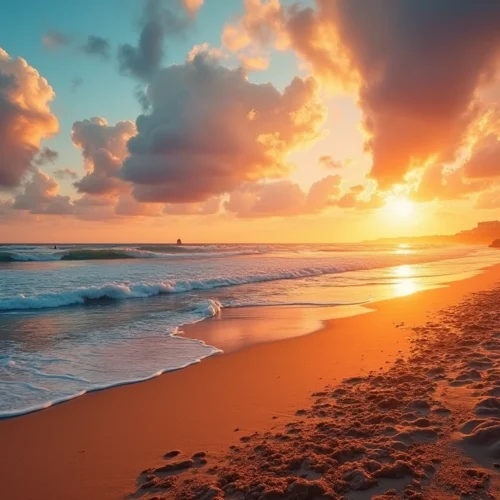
x=400 y=206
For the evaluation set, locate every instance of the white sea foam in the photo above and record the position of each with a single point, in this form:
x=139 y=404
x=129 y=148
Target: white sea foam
x=123 y=291
x=142 y=289
x=31 y=381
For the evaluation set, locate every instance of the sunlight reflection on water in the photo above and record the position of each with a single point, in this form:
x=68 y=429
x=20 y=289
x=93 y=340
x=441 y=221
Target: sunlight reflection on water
x=406 y=285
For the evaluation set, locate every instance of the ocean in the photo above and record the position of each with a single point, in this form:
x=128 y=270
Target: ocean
x=86 y=317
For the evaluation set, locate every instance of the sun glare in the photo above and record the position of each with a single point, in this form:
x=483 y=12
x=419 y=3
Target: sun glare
x=400 y=207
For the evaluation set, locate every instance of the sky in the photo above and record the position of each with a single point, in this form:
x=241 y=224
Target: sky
x=247 y=120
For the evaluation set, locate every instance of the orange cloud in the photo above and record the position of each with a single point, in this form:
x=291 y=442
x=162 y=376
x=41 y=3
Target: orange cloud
x=25 y=117
x=438 y=182
x=192 y=6
x=489 y=200
x=253 y=63
x=418 y=80
x=235 y=39
x=261 y=24
x=485 y=158
x=416 y=67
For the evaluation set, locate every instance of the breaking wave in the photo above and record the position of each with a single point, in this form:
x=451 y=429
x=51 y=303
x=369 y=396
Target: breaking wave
x=143 y=289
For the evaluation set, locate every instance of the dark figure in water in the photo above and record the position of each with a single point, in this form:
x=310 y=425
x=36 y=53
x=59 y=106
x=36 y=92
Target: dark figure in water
x=179 y=242
x=55 y=247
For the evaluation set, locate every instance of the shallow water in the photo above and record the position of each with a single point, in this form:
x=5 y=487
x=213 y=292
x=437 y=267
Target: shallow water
x=71 y=321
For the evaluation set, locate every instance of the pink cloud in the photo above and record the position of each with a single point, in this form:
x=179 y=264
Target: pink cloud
x=285 y=198
x=104 y=147
x=40 y=195
x=25 y=117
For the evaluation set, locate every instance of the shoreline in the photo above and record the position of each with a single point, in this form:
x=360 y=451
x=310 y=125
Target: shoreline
x=97 y=444
x=426 y=427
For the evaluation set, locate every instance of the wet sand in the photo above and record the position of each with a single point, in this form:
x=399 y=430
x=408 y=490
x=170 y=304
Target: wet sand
x=97 y=445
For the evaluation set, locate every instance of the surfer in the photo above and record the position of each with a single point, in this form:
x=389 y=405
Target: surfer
x=179 y=242
x=55 y=247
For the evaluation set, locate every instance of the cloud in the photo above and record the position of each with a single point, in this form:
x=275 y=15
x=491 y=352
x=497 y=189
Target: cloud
x=96 y=208
x=356 y=198
x=323 y=193
x=281 y=198
x=104 y=148
x=65 y=173
x=159 y=21
x=105 y=207
x=439 y=182
x=76 y=83
x=416 y=66
x=285 y=198
x=46 y=155
x=5 y=208
x=128 y=206
x=206 y=51
x=488 y=200
x=25 y=117
x=254 y=63
x=234 y=38
x=97 y=46
x=485 y=158
x=329 y=162
x=209 y=207
x=192 y=6
x=54 y=39
x=260 y=25
x=210 y=130
x=40 y=196
x=105 y=194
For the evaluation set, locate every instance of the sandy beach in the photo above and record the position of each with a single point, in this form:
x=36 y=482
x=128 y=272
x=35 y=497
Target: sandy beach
x=400 y=402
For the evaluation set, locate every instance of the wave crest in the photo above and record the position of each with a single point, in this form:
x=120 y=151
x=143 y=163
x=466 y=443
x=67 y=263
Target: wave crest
x=143 y=289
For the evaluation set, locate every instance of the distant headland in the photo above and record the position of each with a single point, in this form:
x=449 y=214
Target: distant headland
x=485 y=233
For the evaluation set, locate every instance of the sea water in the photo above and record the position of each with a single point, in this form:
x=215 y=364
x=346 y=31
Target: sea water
x=85 y=317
